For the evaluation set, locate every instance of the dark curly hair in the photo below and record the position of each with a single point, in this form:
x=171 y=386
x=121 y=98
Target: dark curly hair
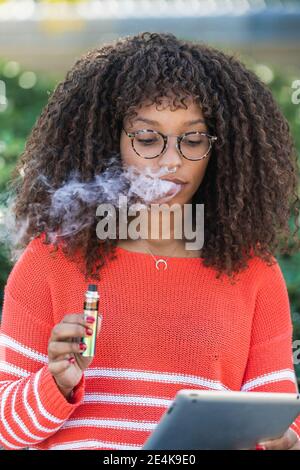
x=250 y=185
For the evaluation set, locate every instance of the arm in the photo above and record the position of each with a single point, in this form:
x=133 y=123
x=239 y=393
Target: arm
x=270 y=365
x=32 y=407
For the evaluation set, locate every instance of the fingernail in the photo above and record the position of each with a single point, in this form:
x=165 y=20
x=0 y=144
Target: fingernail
x=72 y=360
x=89 y=331
x=90 y=319
x=82 y=346
x=260 y=447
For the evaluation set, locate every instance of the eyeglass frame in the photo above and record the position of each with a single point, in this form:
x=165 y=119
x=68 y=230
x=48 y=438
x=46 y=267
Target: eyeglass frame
x=212 y=138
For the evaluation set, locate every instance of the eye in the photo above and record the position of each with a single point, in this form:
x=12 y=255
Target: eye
x=148 y=138
x=194 y=140
x=146 y=141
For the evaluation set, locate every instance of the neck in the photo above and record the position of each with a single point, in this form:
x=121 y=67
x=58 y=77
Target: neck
x=164 y=247
x=165 y=242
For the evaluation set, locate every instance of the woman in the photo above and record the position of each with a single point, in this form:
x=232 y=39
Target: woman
x=172 y=317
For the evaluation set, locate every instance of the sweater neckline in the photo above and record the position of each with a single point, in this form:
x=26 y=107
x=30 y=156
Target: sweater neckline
x=148 y=255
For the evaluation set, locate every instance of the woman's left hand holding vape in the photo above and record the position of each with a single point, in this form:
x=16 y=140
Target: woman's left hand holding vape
x=66 y=362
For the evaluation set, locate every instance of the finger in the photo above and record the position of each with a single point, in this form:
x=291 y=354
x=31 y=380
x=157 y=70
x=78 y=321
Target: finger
x=64 y=331
x=78 y=318
x=285 y=442
x=56 y=349
x=92 y=325
x=85 y=320
x=257 y=447
x=296 y=445
x=99 y=324
x=58 y=367
x=73 y=318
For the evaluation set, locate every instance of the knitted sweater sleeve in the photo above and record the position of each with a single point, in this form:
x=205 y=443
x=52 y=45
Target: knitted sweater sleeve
x=270 y=365
x=32 y=408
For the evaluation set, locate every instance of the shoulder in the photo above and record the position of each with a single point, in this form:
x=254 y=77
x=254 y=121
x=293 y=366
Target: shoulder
x=270 y=285
x=261 y=270
x=32 y=264
x=264 y=276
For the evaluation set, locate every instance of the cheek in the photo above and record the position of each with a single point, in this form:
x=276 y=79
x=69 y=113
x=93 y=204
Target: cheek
x=128 y=155
x=197 y=173
x=126 y=150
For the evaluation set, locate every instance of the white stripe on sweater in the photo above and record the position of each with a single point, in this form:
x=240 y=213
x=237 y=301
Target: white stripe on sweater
x=13 y=370
x=126 y=399
x=9 y=444
x=278 y=376
x=4 y=422
x=163 y=377
x=110 y=423
x=41 y=408
x=131 y=374
x=20 y=423
x=4 y=383
x=32 y=415
x=11 y=343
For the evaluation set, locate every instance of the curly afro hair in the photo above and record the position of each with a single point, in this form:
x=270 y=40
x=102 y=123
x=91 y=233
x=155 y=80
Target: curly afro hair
x=250 y=185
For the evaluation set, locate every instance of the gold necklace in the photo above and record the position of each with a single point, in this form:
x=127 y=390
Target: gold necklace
x=159 y=260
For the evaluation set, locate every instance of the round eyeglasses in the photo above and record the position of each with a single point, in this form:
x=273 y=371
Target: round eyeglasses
x=151 y=144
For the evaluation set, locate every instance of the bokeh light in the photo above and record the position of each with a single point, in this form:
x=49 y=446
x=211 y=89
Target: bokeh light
x=27 y=80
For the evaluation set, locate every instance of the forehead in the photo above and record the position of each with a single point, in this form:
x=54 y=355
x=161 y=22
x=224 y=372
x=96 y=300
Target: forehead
x=164 y=110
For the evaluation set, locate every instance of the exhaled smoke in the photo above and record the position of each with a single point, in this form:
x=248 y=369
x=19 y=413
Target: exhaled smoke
x=72 y=206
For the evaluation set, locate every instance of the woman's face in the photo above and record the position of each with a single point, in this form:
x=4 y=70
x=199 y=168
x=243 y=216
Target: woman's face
x=168 y=122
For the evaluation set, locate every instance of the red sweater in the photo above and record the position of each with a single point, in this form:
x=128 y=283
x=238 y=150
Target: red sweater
x=162 y=331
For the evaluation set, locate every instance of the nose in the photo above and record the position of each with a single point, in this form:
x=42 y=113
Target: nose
x=171 y=157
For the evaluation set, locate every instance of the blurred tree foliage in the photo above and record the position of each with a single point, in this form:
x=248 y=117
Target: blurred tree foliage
x=22 y=97
x=23 y=94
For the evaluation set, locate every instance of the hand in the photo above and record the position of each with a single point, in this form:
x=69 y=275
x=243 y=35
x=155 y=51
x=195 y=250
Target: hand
x=64 y=345
x=288 y=441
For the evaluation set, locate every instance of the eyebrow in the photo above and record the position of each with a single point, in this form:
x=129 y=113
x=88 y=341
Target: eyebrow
x=187 y=123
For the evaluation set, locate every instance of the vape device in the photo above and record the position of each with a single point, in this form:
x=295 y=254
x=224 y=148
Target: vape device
x=91 y=303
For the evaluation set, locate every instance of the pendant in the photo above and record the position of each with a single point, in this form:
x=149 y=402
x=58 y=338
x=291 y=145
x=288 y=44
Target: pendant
x=161 y=261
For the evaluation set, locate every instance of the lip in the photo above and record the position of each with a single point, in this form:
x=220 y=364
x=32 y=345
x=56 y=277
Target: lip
x=174 y=180
x=170 y=194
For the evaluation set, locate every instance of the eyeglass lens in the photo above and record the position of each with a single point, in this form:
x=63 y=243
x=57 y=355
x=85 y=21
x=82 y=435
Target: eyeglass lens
x=150 y=144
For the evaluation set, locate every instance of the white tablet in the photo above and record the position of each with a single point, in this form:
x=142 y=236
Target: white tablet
x=208 y=419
